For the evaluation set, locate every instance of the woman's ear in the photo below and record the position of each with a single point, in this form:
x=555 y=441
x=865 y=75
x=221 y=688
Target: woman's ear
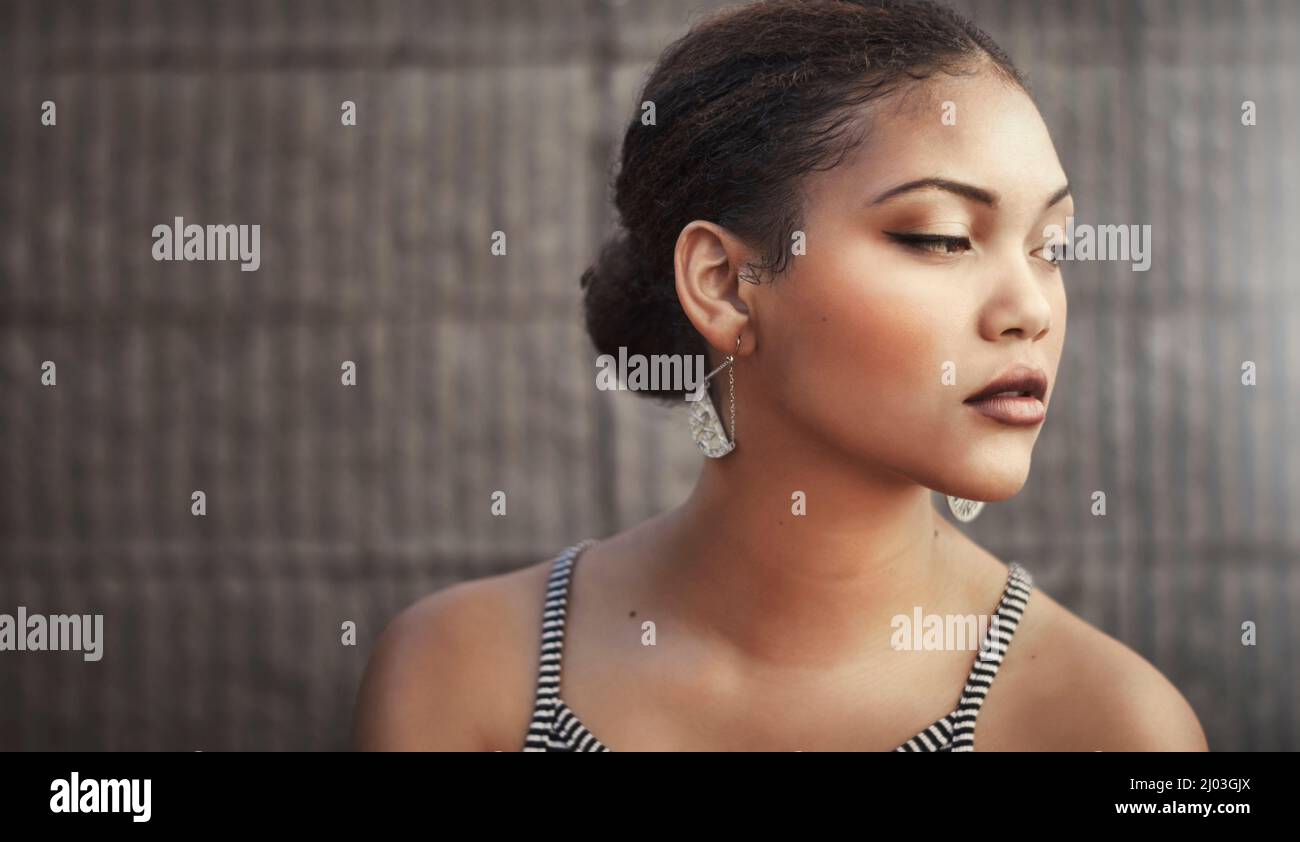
x=708 y=261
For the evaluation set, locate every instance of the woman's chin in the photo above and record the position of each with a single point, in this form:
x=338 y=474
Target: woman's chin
x=991 y=485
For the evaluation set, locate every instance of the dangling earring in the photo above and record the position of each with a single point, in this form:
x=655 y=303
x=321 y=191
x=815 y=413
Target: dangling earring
x=706 y=428
x=965 y=510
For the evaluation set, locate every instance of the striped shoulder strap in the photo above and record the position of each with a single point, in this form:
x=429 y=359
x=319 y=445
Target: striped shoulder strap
x=547 y=697
x=1011 y=607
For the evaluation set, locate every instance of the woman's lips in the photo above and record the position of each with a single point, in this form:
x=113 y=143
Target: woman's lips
x=1014 y=410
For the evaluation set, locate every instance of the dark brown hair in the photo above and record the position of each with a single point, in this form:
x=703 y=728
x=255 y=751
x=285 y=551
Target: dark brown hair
x=748 y=101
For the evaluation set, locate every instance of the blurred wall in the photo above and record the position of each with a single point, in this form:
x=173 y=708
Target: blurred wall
x=328 y=503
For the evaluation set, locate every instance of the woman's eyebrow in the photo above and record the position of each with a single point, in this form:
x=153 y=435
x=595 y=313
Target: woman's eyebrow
x=1057 y=196
x=968 y=191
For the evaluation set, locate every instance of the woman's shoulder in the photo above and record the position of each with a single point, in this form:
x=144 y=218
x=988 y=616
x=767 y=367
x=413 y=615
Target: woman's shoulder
x=1066 y=685
x=455 y=669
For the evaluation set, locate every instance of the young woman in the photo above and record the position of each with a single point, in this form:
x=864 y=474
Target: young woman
x=844 y=205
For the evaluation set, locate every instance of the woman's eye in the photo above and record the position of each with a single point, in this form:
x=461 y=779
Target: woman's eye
x=1050 y=254
x=934 y=243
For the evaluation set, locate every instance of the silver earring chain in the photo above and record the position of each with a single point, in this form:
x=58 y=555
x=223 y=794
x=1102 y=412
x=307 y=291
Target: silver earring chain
x=731 y=380
x=729 y=363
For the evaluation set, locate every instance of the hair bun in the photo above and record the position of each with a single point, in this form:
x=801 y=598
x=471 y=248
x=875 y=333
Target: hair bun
x=628 y=303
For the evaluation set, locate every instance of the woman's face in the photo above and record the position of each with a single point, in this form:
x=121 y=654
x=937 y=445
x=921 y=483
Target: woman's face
x=903 y=307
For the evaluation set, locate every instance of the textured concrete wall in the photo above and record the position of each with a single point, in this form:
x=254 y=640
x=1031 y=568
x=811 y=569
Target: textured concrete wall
x=329 y=503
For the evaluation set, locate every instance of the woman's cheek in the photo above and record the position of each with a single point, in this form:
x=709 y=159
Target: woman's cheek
x=904 y=332
x=882 y=329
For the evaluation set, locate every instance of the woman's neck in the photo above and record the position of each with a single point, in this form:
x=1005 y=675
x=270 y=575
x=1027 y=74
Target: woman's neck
x=792 y=561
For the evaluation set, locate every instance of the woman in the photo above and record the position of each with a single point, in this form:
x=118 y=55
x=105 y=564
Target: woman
x=845 y=206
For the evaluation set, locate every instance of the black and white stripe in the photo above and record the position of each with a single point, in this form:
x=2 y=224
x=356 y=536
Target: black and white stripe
x=956 y=731
x=555 y=727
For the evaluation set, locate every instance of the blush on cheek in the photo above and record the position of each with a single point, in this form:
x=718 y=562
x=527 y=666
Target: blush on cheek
x=869 y=328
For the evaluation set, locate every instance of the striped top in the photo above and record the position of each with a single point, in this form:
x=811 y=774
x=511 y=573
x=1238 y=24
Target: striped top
x=554 y=727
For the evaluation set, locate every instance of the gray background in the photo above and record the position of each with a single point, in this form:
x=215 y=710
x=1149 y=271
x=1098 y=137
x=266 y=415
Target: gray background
x=328 y=503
